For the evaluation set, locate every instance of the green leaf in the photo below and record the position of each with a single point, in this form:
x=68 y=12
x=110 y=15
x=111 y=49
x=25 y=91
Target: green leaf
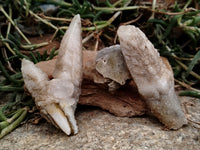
x=34 y=58
x=190 y=93
x=172 y=23
x=193 y=63
x=16 y=123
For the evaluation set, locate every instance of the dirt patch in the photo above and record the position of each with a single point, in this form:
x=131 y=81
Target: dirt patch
x=99 y=129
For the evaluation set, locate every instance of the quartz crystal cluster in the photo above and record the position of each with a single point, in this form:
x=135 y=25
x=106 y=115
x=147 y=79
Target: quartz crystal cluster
x=135 y=58
x=57 y=98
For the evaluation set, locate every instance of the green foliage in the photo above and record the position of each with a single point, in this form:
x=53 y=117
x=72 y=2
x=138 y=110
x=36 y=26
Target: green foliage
x=194 y=62
x=190 y=93
x=177 y=37
x=76 y=8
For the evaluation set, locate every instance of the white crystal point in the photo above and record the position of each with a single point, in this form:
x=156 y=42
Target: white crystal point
x=152 y=75
x=70 y=54
x=33 y=76
x=69 y=68
x=37 y=83
x=59 y=118
x=57 y=98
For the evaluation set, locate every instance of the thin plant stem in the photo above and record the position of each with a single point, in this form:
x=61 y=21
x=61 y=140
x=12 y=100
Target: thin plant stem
x=6 y=122
x=2 y=116
x=8 y=31
x=7 y=45
x=2 y=68
x=9 y=64
x=16 y=114
x=182 y=58
x=12 y=22
x=7 y=88
x=42 y=20
x=187 y=4
x=87 y=38
x=9 y=24
x=117 y=2
x=143 y=7
x=54 y=35
x=3 y=124
x=134 y=20
x=33 y=46
x=153 y=9
x=16 y=123
x=54 y=18
x=180 y=63
x=186 y=85
x=10 y=49
x=120 y=8
x=107 y=23
x=186 y=68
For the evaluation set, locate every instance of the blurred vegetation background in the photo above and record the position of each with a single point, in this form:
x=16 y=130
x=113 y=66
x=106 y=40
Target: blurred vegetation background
x=32 y=29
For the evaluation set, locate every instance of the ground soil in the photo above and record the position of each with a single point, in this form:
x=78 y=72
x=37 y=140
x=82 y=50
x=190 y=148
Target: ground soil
x=100 y=130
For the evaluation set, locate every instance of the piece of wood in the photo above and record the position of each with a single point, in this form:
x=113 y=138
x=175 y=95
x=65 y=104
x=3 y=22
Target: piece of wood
x=125 y=102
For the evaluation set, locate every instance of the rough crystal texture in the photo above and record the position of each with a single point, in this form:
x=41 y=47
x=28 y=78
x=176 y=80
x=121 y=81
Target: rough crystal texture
x=110 y=63
x=57 y=98
x=152 y=75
